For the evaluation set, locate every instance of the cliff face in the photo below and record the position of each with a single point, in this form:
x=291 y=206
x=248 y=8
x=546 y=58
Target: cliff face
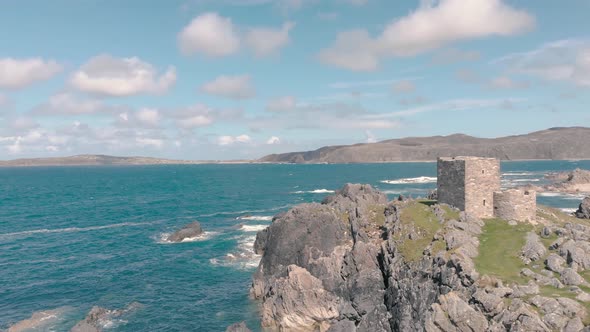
x=357 y=262
x=555 y=143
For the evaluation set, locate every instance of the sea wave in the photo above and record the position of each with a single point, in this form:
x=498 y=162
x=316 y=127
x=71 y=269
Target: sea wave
x=550 y=194
x=525 y=180
x=244 y=258
x=74 y=229
x=256 y=218
x=162 y=238
x=253 y=228
x=519 y=174
x=315 y=191
x=420 y=179
x=244 y=212
x=569 y=210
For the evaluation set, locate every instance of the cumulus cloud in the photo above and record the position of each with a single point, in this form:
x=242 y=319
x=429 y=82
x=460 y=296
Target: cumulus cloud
x=216 y=36
x=563 y=60
x=230 y=140
x=281 y=104
x=273 y=140
x=20 y=73
x=118 y=77
x=267 y=41
x=209 y=34
x=69 y=104
x=142 y=118
x=233 y=87
x=433 y=25
x=193 y=117
x=371 y=138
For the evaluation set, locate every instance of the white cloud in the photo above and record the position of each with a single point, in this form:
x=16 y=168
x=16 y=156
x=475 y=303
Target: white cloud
x=148 y=116
x=433 y=25
x=194 y=117
x=149 y=142
x=69 y=104
x=233 y=87
x=20 y=73
x=273 y=140
x=281 y=104
x=504 y=82
x=209 y=34
x=229 y=140
x=563 y=60
x=404 y=87
x=267 y=41
x=371 y=138
x=107 y=75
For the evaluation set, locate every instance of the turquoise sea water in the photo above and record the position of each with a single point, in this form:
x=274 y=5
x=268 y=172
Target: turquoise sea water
x=74 y=237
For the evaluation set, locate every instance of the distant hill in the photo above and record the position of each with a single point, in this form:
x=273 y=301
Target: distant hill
x=553 y=143
x=93 y=160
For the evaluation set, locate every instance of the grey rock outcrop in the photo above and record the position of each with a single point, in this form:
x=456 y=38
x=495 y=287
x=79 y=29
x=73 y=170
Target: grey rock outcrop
x=97 y=317
x=189 y=231
x=357 y=262
x=583 y=211
x=238 y=327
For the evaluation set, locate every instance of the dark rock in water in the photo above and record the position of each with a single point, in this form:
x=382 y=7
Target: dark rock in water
x=187 y=232
x=98 y=315
x=238 y=327
x=584 y=209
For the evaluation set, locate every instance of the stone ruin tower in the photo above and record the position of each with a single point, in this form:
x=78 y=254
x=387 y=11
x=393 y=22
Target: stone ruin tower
x=472 y=184
x=469 y=183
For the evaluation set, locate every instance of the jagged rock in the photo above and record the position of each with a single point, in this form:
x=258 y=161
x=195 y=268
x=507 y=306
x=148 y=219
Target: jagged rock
x=534 y=249
x=520 y=317
x=574 y=325
x=238 y=327
x=98 y=315
x=187 y=232
x=432 y=195
x=523 y=290
x=570 y=277
x=299 y=302
x=575 y=254
x=583 y=211
x=555 y=263
x=491 y=303
x=462 y=316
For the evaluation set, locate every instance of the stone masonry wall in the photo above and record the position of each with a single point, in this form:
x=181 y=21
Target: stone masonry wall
x=451 y=182
x=515 y=204
x=482 y=179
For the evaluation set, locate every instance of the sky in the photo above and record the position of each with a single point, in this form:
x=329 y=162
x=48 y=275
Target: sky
x=239 y=79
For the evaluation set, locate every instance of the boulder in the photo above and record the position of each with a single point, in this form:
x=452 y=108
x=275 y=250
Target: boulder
x=189 y=231
x=583 y=211
x=238 y=327
x=98 y=315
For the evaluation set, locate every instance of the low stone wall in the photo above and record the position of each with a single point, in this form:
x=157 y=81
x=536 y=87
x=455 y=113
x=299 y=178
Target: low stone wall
x=515 y=204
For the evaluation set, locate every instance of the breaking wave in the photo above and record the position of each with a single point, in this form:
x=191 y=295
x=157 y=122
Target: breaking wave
x=253 y=228
x=74 y=229
x=244 y=258
x=243 y=212
x=162 y=238
x=420 y=179
x=256 y=218
x=315 y=191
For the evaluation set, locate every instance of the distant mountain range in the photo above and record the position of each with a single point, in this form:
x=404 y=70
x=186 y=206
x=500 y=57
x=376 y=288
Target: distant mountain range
x=553 y=143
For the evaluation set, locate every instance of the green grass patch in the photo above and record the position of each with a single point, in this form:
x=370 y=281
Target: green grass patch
x=499 y=250
x=377 y=214
x=450 y=213
x=418 y=218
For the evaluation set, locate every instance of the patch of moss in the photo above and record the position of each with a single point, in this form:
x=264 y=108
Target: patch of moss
x=419 y=219
x=438 y=246
x=500 y=248
x=377 y=214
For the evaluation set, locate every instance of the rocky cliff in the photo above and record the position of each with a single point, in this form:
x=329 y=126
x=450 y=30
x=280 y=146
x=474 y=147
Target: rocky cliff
x=554 y=143
x=357 y=262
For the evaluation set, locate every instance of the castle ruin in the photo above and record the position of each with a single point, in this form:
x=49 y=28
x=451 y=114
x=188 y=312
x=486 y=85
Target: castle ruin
x=472 y=184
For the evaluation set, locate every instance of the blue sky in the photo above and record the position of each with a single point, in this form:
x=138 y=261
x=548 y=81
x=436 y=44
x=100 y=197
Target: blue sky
x=234 y=79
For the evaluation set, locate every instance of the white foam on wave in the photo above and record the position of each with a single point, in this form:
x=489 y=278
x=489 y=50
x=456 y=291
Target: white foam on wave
x=74 y=229
x=519 y=174
x=420 y=179
x=243 y=258
x=562 y=195
x=525 y=180
x=315 y=191
x=550 y=194
x=253 y=228
x=569 y=210
x=162 y=238
x=255 y=218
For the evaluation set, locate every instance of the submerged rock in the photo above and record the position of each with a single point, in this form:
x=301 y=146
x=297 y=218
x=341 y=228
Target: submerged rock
x=38 y=320
x=238 y=327
x=583 y=211
x=189 y=231
x=98 y=316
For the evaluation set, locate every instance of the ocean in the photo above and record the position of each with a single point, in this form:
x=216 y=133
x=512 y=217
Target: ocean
x=75 y=237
